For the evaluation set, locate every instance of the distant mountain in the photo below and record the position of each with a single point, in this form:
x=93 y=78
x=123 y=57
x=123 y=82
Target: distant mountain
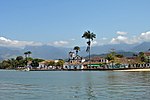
x=48 y=52
x=145 y=46
x=107 y=48
x=124 y=53
x=51 y=52
x=6 y=52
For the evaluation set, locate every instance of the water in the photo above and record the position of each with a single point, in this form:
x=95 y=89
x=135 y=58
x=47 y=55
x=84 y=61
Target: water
x=74 y=85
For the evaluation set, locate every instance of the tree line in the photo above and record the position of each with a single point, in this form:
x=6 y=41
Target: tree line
x=20 y=61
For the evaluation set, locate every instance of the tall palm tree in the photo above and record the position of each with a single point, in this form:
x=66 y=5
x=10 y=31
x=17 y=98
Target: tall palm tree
x=90 y=37
x=77 y=49
x=26 y=55
x=29 y=53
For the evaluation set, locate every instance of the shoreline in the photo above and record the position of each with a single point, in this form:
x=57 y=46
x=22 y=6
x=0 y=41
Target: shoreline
x=135 y=70
x=117 y=70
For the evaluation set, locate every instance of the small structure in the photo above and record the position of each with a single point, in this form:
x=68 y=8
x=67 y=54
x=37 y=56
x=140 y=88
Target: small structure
x=96 y=62
x=74 y=61
x=99 y=59
x=46 y=64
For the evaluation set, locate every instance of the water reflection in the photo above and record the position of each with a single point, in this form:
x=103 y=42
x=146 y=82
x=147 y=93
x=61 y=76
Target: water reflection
x=75 y=86
x=89 y=87
x=130 y=84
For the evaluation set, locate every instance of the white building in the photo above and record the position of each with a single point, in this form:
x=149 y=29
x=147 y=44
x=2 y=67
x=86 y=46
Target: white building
x=74 y=62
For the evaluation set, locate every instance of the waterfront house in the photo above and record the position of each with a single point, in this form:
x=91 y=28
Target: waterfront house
x=48 y=64
x=96 y=62
x=99 y=59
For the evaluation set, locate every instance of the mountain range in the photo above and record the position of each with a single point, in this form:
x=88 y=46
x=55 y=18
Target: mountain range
x=51 y=52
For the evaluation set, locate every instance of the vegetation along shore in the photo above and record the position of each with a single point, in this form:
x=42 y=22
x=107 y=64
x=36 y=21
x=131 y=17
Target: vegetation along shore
x=111 y=61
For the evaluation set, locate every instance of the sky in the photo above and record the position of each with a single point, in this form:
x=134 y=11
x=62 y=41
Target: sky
x=63 y=22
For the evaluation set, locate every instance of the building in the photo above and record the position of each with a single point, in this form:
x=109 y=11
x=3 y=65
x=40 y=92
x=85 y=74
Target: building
x=74 y=62
x=48 y=64
x=96 y=62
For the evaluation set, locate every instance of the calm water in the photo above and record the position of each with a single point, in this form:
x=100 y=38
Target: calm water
x=59 y=85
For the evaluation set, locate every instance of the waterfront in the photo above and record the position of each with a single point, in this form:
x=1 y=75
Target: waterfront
x=74 y=85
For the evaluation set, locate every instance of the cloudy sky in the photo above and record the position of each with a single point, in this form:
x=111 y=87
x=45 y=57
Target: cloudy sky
x=62 y=22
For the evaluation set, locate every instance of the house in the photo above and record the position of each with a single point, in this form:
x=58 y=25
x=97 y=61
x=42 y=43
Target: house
x=99 y=59
x=95 y=62
x=48 y=64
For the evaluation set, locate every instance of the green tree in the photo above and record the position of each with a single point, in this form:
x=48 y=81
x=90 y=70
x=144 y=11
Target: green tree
x=27 y=55
x=1 y=65
x=60 y=63
x=6 y=64
x=51 y=63
x=142 y=56
x=12 y=63
x=35 y=63
x=18 y=58
x=90 y=37
x=77 y=49
x=119 y=55
x=110 y=57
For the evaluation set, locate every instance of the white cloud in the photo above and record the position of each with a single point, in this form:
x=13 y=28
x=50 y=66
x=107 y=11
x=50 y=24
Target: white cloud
x=59 y=43
x=135 y=39
x=145 y=36
x=94 y=42
x=20 y=44
x=15 y=43
x=121 y=33
x=119 y=39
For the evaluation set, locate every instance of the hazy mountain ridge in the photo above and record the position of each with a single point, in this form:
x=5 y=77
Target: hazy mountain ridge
x=48 y=52
x=6 y=52
x=145 y=46
x=51 y=52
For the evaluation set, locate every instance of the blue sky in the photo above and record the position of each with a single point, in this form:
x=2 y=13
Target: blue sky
x=62 y=22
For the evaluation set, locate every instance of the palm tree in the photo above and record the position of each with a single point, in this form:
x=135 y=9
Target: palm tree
x=77 y=49
x=29 y=53
x=89 y=36
x=26 y=55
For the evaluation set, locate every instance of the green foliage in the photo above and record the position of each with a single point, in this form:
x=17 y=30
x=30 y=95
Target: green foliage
x=142 y=56
x=110 y=57
x=60 y=63
x=119 y=55
x=27 y=56
x=20 y=63
x=35 y=63
x=51 y=63
x=27 y=53
x=38 y=60
x=19 y=58
x=77 y=49
x=88 y=35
